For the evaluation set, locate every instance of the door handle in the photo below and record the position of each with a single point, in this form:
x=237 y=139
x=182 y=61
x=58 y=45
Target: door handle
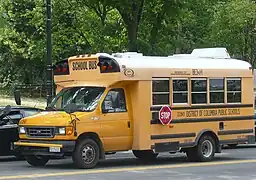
x=129 y=124
x=222 y=126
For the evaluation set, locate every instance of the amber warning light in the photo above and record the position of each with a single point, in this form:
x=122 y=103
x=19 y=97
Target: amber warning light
x=108 y=65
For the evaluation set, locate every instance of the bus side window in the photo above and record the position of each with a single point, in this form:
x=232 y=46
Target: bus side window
x=114 y=101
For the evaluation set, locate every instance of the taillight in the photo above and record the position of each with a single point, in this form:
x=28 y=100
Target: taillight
x=61 y=68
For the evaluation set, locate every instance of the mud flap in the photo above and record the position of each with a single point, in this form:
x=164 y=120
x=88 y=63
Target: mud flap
x=218 y=149
x=251 y=139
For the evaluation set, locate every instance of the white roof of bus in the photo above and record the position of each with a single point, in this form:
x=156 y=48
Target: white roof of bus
x=206 y=58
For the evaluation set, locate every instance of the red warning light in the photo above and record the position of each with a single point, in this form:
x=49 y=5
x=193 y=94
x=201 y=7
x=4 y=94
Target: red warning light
x=61 y=68
x=108 y=65
x=64 y=69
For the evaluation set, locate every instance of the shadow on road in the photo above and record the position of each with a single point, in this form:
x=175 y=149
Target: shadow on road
x=9 y=159
x=130 y=162
x=240 y=147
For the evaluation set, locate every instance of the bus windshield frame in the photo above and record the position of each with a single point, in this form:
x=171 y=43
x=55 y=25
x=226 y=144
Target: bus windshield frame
x=86 y=98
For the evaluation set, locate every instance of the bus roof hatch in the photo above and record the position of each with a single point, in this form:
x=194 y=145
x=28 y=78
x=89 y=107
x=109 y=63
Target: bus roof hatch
x=215 y=53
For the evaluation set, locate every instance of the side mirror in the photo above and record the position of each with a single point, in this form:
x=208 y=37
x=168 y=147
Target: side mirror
x=17 y=97
x=71 y=108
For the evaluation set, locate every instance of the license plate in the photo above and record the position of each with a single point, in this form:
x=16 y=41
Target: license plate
x=54 y=149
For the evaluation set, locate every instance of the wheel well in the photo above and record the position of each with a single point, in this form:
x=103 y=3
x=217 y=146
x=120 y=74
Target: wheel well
x=212 y=134
x=95 y=137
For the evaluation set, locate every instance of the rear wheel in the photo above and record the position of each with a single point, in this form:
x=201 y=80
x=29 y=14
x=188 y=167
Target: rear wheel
x=86 y=154
x=37 y=160
x=204 y=151
x=145 y=155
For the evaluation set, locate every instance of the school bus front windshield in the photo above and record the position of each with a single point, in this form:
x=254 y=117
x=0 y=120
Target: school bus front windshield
x=85 y=98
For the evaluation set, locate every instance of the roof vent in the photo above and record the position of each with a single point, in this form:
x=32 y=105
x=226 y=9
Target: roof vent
x=218 y=53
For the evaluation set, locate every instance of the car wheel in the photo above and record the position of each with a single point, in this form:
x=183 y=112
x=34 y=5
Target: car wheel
x=37 y=160
x=86 y=154
x=204 y=151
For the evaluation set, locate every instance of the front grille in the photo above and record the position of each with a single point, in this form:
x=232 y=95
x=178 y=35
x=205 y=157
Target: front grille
x=40 y=132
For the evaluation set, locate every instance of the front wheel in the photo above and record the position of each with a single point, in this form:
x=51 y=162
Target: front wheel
x=37 y=160
x=204 y=151
x=86 y=154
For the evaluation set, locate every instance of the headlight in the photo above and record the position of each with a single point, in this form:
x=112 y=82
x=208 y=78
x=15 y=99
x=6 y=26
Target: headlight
x=62 y=131
x=22 y=130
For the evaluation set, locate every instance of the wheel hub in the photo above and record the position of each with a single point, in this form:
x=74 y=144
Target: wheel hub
x=207 y=148
x=88 y=154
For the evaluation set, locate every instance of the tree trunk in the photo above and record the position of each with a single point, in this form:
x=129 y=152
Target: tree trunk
x=132 y=36
x=178 y=38
x=132 y=20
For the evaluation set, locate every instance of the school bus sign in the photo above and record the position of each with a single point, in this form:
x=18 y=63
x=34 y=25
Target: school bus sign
x=165 y=115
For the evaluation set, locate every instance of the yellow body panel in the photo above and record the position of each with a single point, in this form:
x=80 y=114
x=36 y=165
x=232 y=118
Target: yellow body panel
x=133 y=129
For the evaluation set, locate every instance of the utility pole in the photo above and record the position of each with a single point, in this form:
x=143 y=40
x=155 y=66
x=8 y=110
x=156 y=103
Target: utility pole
x=49 y=73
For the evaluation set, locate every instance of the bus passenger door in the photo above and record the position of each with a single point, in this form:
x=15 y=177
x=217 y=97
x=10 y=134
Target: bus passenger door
x=115 y=121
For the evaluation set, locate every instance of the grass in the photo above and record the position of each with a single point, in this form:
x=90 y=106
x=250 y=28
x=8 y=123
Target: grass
x=25 y=101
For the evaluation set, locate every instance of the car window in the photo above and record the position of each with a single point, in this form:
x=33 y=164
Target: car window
x=30 y=112
x=114 y=101
x=14 y=116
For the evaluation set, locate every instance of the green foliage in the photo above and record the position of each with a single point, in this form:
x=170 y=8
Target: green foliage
x=234 y=26
x=156 y=27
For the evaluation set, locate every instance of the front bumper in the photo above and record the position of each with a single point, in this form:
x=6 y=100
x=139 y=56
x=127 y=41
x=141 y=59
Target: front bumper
x=44 y=148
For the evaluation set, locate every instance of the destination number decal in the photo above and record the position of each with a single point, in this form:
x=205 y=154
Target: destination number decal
x=85 y=65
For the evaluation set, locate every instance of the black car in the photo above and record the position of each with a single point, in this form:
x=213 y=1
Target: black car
x=9 y=120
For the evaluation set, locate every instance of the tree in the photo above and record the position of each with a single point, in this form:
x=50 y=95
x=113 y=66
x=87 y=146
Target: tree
x=234 y=27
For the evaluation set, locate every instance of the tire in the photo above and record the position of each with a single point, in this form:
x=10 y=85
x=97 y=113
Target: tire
x=145 y=155
x=19 y=156
x=204 y=151
x=37 y=160
x=89 y=149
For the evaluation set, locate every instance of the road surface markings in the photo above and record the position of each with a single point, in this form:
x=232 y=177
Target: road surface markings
x=140 y=168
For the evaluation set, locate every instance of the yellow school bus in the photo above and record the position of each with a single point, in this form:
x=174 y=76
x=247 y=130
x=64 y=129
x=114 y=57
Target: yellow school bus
x=190 y=103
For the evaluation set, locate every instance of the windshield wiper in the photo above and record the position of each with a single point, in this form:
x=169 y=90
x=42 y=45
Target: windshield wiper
x=49 y=108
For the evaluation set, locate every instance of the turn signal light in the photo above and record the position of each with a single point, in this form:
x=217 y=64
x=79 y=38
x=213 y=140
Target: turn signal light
x=69 y=130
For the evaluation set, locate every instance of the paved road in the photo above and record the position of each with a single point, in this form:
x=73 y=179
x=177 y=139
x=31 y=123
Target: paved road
x=232 y=164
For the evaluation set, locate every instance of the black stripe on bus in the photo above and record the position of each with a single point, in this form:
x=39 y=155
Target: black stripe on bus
x=233 y=141
x=230 y=132
x=168 y=136
x=157 y=108
x=195 y=120
x=190 y=144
